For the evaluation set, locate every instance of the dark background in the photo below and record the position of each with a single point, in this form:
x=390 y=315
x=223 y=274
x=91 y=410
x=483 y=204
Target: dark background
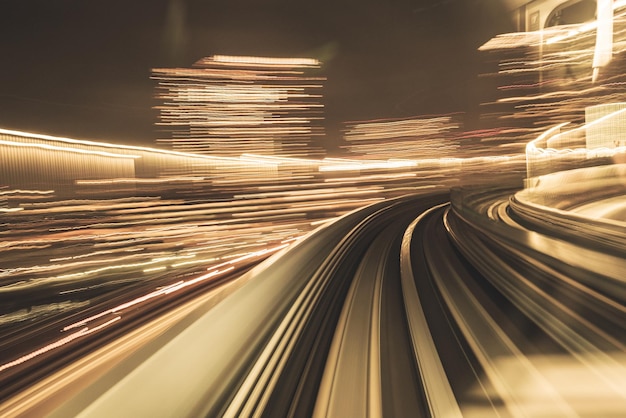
x=82 y=68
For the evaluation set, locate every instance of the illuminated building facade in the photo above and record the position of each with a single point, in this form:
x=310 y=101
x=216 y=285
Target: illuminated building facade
x=233 y=105
x=550 y=73
x=606 y=124
x=419 y=138
x=68 y=167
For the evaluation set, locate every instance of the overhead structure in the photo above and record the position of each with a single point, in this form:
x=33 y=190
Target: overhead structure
x=536 y=15
x=550 y=75
x=603 y=52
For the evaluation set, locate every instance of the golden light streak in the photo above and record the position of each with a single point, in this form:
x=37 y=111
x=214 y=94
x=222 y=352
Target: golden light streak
x=153 y=269
x=603 y=51
x=69 y=338
x=10 y=210
x=288 y=62
x=66 y=149
x=107 y=145
x=213 y=271
x=355 y=166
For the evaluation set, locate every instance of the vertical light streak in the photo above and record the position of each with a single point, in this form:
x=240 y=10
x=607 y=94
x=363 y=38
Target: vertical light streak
x=67 y=339
x=603 y=52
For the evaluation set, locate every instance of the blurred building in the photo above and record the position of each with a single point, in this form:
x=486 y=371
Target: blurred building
x=549 y=72
x=605 y=125
x=405 y=138
x=233 y=105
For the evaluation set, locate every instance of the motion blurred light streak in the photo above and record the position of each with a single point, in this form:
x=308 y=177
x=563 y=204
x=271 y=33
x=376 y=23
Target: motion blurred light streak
x=250 y=255
x=603 y=51
x=266 y=61
x=58 y=343
x=42 y=138
x=66 y=149
x=356 y=166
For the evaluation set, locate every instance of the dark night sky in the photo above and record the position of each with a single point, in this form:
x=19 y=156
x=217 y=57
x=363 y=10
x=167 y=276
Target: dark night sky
x=81 y=68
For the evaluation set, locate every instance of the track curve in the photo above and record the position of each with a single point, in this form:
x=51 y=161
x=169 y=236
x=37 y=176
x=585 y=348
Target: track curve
x=413 y=306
